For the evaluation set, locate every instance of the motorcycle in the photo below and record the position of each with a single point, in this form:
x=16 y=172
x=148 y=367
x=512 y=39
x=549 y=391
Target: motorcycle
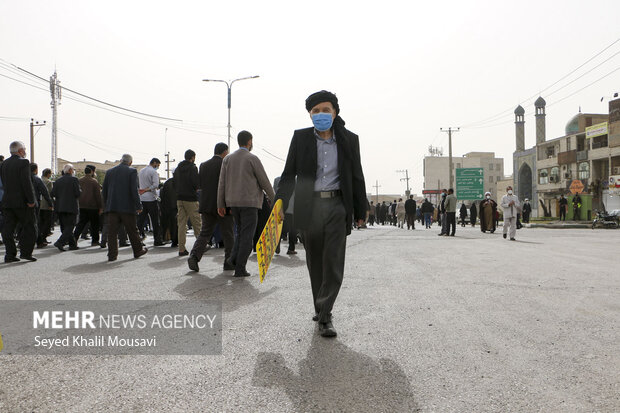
x=605 y=220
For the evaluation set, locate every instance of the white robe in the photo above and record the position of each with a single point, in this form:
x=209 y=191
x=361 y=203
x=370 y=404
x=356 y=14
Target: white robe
x=510 y=211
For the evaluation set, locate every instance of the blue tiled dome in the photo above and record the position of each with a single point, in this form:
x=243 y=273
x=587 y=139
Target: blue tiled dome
x=573 y=125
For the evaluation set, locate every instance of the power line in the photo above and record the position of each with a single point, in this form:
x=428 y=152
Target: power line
x=503 y=113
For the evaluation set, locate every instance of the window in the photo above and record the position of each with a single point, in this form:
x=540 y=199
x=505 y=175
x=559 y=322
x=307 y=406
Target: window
x=550 y=152
x=584 y=170
x=499 y=166
x=599 y=142
x=555 y=174
x=490 y=167
x=543 y=177
x=568 y=143
x=490 y=178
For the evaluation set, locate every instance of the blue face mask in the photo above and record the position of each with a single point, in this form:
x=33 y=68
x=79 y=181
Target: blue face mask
x=322 y=121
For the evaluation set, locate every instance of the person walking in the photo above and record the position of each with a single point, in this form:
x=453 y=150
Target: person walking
x=576 y=207
x=288 y=227
x=324 y=169
x=148 y=181
x=450 y=205
x=41 y=194
x=372 y=214
x=442 y=217
x=510 y=205
x=187 y=183
x=168 y=196
x=488 y=210
x=209 y=180
x=66 y=191
x=122 y=204
x=463 y=214
x=91 y=206
x=473 y=213
x=563 y=207
x=400 y=213
x=527 y=210
x=410 y=211
x=241 y=185
x=18 y=204
x=46 y=212
x=427 y=211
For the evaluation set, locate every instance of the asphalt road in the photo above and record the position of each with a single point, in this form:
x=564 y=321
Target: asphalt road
x=425 y=323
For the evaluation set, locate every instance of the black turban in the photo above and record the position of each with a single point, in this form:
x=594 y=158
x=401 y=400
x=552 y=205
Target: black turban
x=320 y=97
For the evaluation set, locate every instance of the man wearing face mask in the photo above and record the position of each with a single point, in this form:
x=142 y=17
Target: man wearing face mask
x=324 y=169
x=510 y=204
x=149 y=183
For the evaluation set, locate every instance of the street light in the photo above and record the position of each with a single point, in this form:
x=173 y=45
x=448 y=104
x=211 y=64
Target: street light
x=229 y=87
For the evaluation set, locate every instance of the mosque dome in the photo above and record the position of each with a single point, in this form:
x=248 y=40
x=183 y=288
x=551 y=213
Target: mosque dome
x=519 y=110
x=540 y=102
x=573 y=125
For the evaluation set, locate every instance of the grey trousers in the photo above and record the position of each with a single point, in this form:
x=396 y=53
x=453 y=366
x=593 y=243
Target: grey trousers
x=209 y=221
x=325 y=243
x=246 y=219
x=512 y=223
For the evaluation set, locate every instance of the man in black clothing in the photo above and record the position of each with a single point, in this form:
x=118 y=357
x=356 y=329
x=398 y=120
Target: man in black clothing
x=209 y=179
x=563 y=207
x=40 y=193
x=187 y=183
x=527 y=210
x=410 y=210
x=168 y=196
x=66 y=191
x=18 y=204
x=324 y=169
x=576 y=207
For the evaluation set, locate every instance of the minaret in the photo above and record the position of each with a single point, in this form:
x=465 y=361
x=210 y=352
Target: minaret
x=520 y=128
x=541 y=133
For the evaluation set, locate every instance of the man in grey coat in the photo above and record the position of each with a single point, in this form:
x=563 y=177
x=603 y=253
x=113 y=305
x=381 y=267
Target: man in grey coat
x=510 y=204
x=242 y=182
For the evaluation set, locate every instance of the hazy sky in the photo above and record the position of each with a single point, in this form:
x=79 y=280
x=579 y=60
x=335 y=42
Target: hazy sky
x=401 y=70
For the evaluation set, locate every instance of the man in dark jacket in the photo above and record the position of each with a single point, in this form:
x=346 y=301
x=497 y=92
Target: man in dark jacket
x=122 y=203
x=187 y=183
x=91 y=205
x=66 y=191
x=324 y=169
x=473 y=214
x=209 y=179
x=18 y=204
x=563 y=207
x=427 y=212
x=410 y=209
x=40 y=193
x=168 y=196
x=527 y=210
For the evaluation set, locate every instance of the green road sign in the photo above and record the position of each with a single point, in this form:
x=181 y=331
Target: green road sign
x=469 y=183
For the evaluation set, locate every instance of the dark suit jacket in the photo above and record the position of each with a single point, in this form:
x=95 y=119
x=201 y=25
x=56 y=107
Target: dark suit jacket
x=209 y=179
x=40 y=190
x=66 y=191
x=17 y=183
x=301 y=163
x=410 y=206
x=120 y=190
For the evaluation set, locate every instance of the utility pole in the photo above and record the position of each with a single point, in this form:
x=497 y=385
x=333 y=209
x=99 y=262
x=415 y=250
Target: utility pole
x=377 y=186
x=450 y=131
x=56 y=93
x=32 y=126
x=168 y=164
x=406 y=178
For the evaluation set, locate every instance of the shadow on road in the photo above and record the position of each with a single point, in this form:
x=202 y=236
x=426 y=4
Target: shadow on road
x=95 y=267
x=334 y=378
x=234 y=293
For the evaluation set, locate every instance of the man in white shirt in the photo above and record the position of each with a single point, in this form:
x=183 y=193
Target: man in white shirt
x=510 y=204
x=149 y=184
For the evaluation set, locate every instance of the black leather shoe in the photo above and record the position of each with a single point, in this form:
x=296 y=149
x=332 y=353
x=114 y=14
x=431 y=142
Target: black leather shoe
x=291 y=252
x=94 y=244
x=11 y=259
x=229 y=265
x=73 y=248
x=122 y=244
x=192 y=263
x=504 y=236
x=28 y=258
x=183 y=253
x=111 y=259
x=103 y=245
x=242 y=274
x=327 y=329
x=315 y=317
x=140 y=253
x=60 y=247
x=512 y=239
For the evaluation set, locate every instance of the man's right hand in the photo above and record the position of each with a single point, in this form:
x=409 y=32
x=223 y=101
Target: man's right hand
x=221 y=212
x=30 y=205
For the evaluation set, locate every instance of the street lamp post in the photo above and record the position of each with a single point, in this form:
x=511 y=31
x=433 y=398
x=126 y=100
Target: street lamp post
x=229 y=87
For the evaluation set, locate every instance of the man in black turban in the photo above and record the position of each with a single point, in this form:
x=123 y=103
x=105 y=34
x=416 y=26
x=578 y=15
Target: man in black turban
x=324 y=169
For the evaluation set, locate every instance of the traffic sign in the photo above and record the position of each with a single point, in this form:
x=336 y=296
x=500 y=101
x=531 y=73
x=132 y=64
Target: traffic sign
x=576 y=187
x=469 y=183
